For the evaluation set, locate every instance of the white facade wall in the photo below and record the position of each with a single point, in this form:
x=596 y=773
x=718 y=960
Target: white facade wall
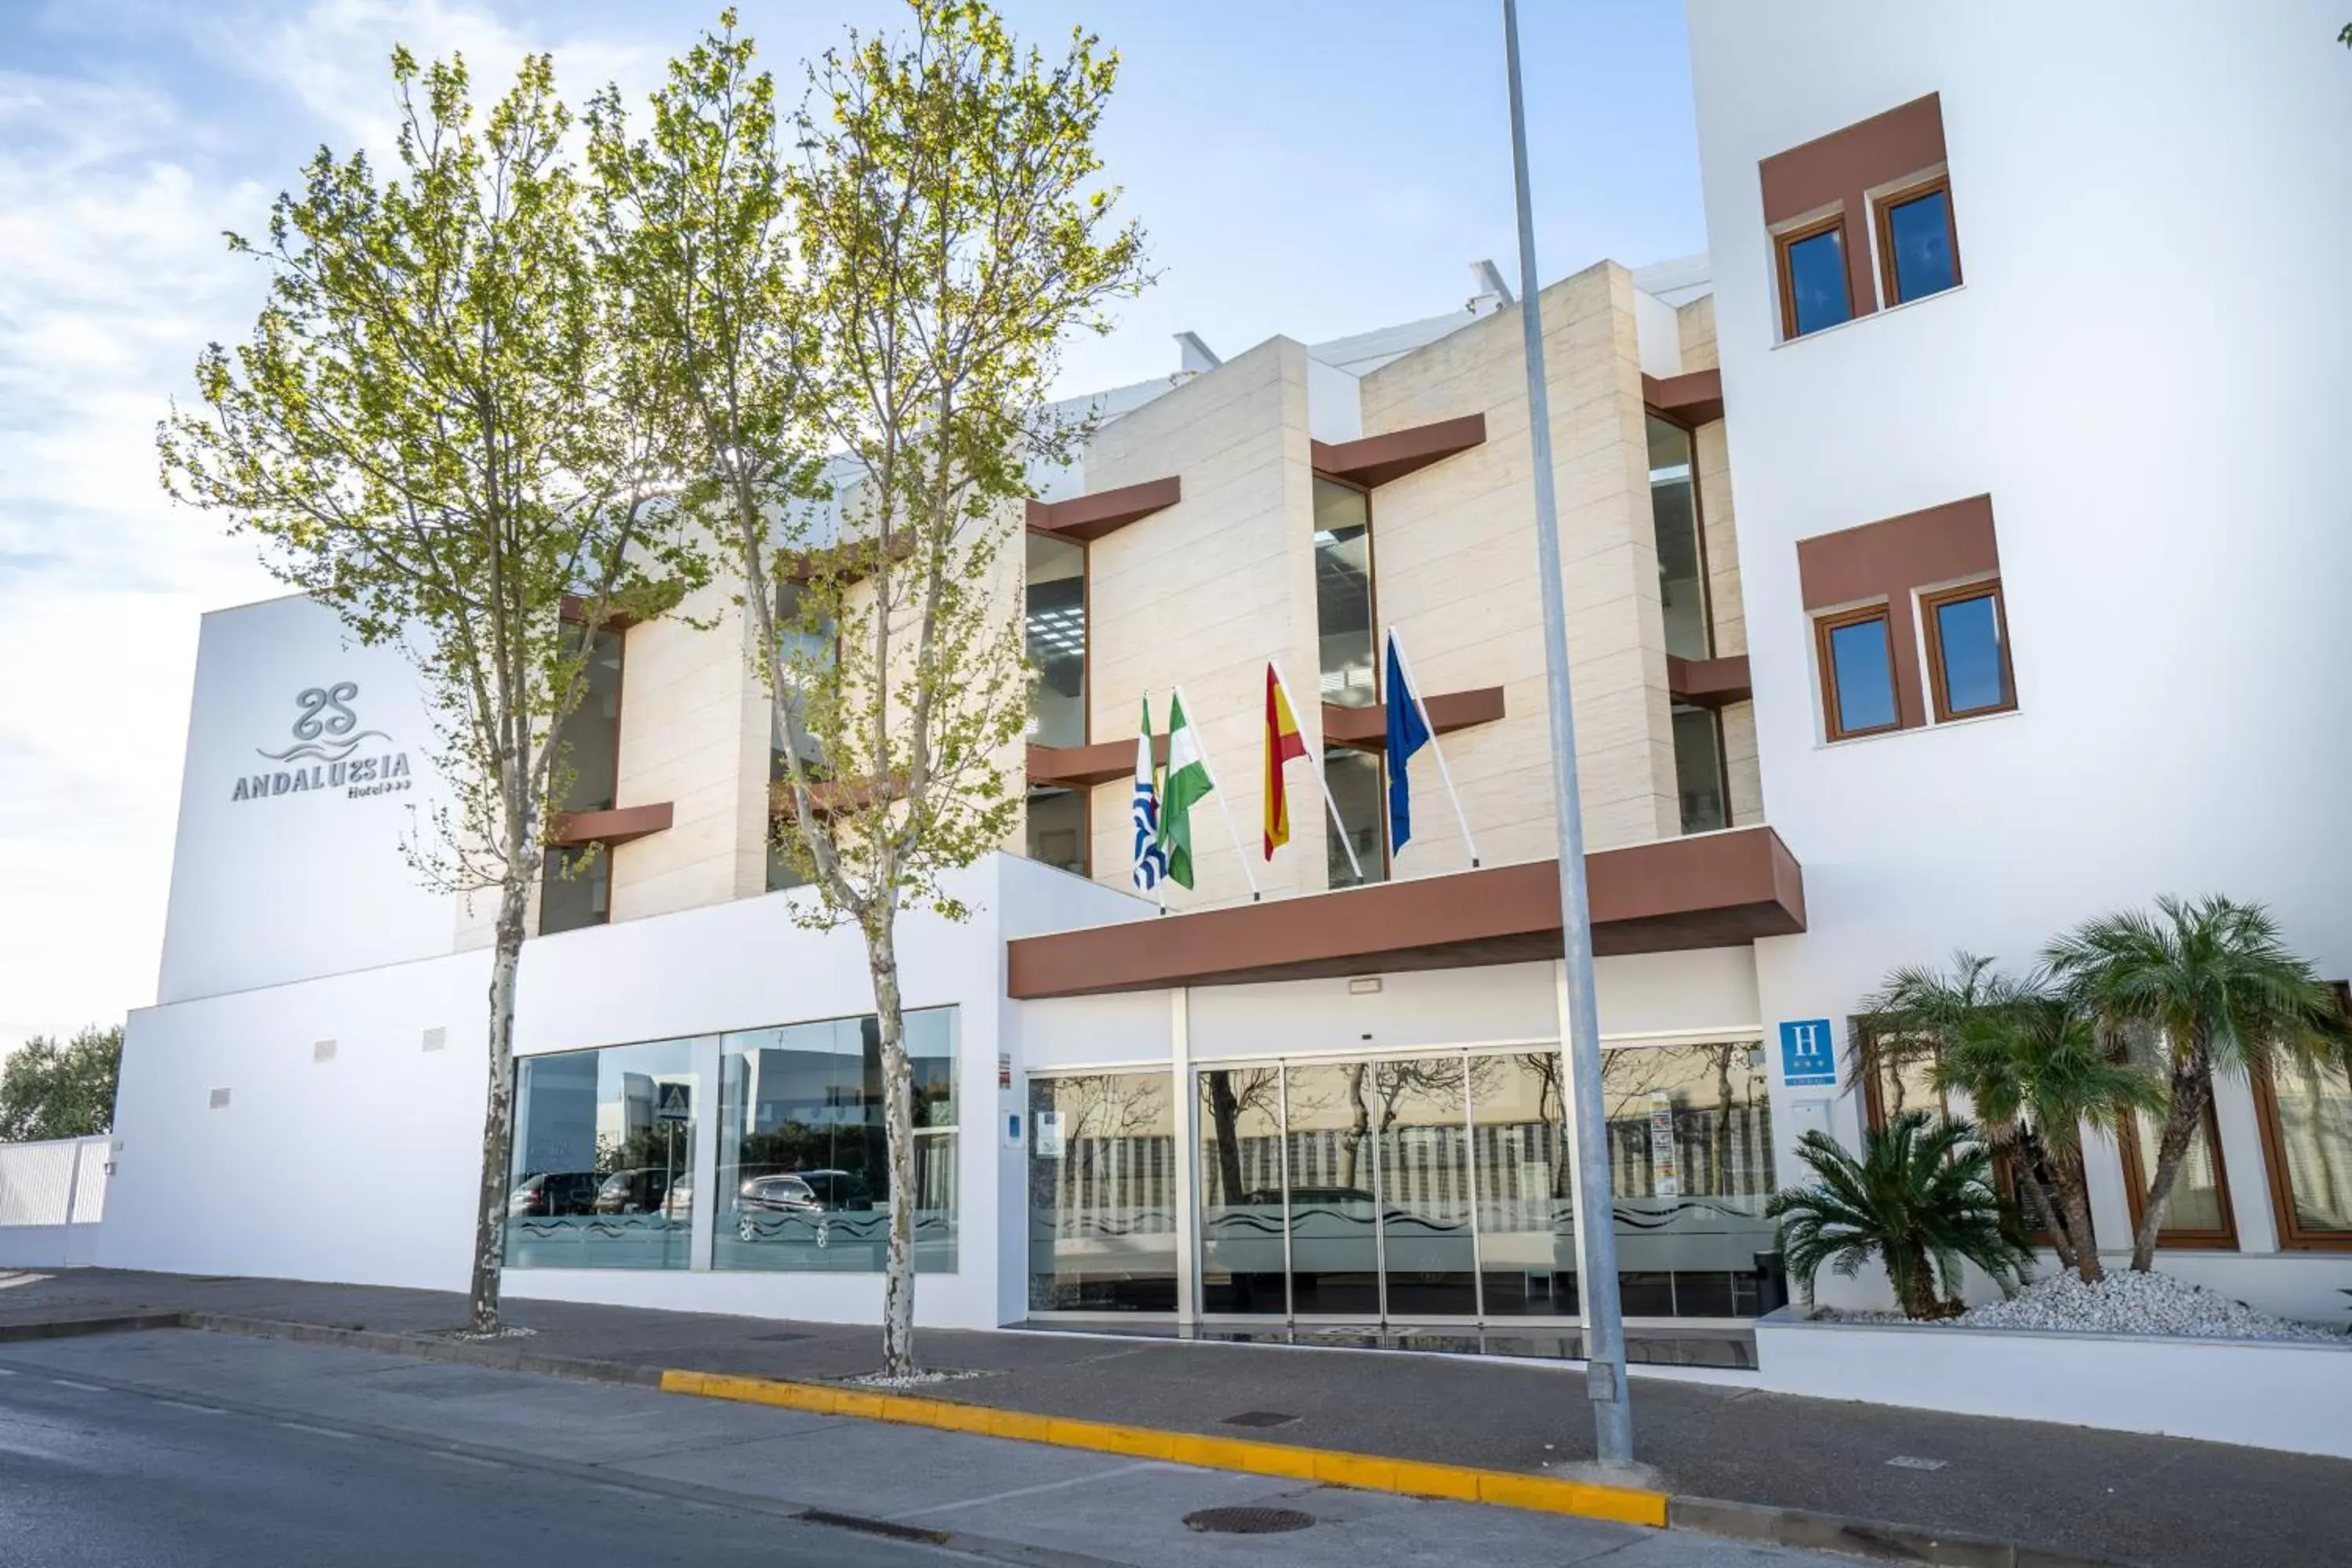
x=310 y=882
x=361 y=1166
x=2149 y=370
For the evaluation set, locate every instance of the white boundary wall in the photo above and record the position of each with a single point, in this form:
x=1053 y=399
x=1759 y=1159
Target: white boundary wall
x=52 y=1197
x=2260 y=1393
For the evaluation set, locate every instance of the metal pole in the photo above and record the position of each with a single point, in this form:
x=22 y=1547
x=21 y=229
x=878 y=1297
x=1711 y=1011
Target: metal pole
x=1604 y=1330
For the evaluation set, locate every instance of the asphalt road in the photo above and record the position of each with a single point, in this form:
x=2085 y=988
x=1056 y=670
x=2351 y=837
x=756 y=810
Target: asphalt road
x=177 y=1449
x=93 y=1478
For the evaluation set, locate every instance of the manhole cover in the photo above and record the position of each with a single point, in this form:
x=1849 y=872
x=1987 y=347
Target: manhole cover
x=1247 y=1520
x=1259 y=1418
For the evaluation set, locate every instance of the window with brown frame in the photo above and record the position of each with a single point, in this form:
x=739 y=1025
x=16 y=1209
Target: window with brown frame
x=1815 y=289
x=1856 y=652
x=2306 y=1111
x=1968 y=651
x=1918 y=245
x=2201 y=1215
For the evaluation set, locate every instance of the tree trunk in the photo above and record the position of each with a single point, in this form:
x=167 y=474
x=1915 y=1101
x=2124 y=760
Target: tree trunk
x=2032 y=1166
x=2073 y=1187
x=1915 y=1283
x=497 y=1105
x=2192 y=1091
x=898 y=1125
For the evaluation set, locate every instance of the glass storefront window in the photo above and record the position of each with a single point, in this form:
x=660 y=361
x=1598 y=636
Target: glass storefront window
x=1332 y=1189
x=604 y=1158
x=1055 y=828
x=1343 y=594
x=802 y=1157
x=1102 y=1193
x=1057 y=639
x=1681 y=557
x=1526 y=1185
x=1242 y=1251
x=1690 y=1162
x=1429 y=1255
x=1355 y=780
x=1698 y=770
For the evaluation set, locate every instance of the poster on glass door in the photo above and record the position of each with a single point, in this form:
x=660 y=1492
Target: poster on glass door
x=1665 y=1171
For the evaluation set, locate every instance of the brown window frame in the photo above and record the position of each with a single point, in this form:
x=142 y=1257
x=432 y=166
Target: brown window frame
x=1882 y=224
x=1787 y=240
x=2224 y=1238
x=1835 y=621
x=2292 y=1237
x=1875 y=1114
x=1930 y=603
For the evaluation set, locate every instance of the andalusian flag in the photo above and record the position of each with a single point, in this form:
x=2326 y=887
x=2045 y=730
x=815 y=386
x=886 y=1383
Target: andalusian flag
x=1188 y=782
x=1283 y=743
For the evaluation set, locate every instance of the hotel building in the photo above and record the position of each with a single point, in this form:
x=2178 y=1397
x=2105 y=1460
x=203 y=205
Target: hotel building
x=1947 y=558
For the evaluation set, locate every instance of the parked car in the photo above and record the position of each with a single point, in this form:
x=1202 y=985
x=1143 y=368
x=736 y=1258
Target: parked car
x=808 y=1197
x=553 y=1193
x=638 y=1191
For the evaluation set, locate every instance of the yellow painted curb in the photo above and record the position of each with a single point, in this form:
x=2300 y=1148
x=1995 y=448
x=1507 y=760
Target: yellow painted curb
x=1367 y=1472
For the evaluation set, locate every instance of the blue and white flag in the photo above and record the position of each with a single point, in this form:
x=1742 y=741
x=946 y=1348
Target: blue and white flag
x=1407 y=735
x=1150 y=860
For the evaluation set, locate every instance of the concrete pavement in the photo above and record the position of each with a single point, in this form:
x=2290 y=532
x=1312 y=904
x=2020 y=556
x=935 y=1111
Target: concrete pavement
x=171 y=1447
x=2098 y=1495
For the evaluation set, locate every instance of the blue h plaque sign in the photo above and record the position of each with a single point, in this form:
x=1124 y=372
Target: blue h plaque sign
x=1807 y=1053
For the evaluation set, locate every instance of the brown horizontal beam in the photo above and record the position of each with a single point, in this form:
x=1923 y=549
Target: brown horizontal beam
x=1367 y=729
x=1711 y=890
x=1377 y=459
x=1081 y=767
x=610 y=828
x=826 y=797
x=575 y=610
x=1693 y=399
x=850 y=560
x=1082 y=519
x=1709 y=682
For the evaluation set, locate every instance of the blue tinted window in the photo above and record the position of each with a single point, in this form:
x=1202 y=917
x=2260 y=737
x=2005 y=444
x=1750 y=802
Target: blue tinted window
x=1817 y=293
x=1919 y=234
x=1862 y=676
x=1967 y=634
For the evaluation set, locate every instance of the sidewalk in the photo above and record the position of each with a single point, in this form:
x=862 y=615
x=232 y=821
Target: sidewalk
x=2089 y=1494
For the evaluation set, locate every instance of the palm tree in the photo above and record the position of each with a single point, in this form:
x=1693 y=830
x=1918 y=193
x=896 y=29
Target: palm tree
x=2033 y=1066
x=1920 y=1199
x=2213 y=980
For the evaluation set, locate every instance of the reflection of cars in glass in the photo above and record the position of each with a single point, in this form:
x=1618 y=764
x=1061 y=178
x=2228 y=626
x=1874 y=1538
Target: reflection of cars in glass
x=799 y=1193
x=552 y=1193
x=640 y=1191
x=677 y=1204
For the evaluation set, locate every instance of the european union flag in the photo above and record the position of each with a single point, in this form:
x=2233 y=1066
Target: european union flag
x=1407 y=735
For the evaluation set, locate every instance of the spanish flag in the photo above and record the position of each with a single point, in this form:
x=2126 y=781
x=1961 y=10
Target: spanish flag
x=1283 y=742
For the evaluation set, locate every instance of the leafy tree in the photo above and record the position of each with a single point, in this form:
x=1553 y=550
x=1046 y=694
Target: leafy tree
x=60 y=1089
x=2211 y=980
x=437 y=430
x=1920 y=1200
x=2036 y=1071
x=890 y=297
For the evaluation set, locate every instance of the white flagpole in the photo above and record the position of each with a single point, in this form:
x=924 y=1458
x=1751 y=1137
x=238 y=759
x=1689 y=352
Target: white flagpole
x=1223 y=804
x=1323 y=779
x=1413 y=682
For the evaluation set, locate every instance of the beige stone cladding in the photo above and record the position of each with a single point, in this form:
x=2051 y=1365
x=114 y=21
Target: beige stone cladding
x=1204 y=594
x=687 y=726
x=1453 y=552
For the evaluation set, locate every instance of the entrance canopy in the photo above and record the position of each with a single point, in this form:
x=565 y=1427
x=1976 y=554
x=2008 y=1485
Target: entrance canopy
x=1712 y=890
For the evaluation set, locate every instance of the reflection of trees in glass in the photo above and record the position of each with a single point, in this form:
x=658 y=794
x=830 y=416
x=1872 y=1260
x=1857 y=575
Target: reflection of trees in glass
x=1104 y=1117
x=1705 y=1123
x=1232 y=1093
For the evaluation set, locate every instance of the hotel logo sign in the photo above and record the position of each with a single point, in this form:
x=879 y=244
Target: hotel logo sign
x=330 y=752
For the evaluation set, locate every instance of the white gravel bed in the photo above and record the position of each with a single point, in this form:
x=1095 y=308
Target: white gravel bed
x=912 y=1380
x=2124 y=1302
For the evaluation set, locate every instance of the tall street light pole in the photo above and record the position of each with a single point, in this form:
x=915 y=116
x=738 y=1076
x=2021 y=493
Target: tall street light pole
x=1596 y=1228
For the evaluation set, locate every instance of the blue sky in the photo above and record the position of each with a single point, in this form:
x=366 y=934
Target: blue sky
x=1309 y=167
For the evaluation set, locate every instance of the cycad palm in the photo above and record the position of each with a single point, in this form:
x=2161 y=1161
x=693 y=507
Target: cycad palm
x=1920 y=1199
x=2211 y=978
